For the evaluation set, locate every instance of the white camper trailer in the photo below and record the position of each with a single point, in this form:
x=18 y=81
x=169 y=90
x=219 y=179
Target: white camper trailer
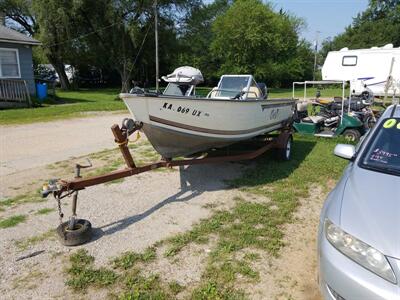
x=365 y=68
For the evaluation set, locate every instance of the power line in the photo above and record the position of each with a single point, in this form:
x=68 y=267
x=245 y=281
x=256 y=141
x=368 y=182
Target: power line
x=87 y=34
x=81 y=36
x=141 y=46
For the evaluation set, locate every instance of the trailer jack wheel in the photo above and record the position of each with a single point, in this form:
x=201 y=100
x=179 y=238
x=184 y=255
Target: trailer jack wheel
x=80 y=234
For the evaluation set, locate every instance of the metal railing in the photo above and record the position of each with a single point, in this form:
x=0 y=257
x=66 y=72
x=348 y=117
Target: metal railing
x=14 y=92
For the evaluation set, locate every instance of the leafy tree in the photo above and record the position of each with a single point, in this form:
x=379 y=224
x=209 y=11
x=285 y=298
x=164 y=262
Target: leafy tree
x=20 y=12
x=56 y=30
x=251 y=38
x=196 y=37
x=378 y=25
x=122 y=36
x=50 y=22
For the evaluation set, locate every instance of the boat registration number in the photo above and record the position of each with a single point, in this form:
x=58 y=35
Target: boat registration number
x=183 y=110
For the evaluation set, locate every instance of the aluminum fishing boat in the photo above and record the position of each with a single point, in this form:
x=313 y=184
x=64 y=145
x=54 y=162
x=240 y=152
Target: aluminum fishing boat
x=179 y=123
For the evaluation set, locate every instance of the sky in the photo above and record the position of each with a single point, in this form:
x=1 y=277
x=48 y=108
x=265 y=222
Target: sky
x=329 y=17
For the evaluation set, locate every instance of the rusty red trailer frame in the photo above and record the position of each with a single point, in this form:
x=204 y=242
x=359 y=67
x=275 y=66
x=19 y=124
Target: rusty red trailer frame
x=121 y=138
x=71 y=234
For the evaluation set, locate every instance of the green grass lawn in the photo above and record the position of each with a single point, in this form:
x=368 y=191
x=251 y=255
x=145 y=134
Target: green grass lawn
x=72 y=104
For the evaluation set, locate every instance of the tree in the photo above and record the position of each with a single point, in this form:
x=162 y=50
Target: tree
x=378 y=25
x=119 y=32
x=196 y=37
x=56 y=30
x=251 y=38
x=20 y=12
x=48 y=21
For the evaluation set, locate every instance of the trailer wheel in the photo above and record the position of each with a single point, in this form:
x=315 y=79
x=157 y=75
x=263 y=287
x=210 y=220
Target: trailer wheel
x=352 y=135
x=369 y=123
x=81 y=234
x=285 y=152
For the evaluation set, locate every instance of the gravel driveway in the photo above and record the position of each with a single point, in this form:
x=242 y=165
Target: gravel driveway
x=130 y=215
x=28 y=146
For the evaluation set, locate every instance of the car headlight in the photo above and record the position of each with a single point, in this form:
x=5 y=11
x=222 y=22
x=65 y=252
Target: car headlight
x=360 y=252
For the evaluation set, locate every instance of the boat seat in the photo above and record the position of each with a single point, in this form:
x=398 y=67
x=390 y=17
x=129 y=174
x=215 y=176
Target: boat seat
x=313 y=119
x=253 y=92
x=324 y=101
x=213 y=93
x=301 y=106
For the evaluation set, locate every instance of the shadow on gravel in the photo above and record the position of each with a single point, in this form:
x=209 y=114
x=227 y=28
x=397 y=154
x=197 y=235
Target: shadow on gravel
x=194 y=181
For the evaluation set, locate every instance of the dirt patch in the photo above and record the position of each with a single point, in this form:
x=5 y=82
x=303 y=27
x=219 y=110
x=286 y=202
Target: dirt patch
x=54 y=141
x=135 y=214
x=293 y=275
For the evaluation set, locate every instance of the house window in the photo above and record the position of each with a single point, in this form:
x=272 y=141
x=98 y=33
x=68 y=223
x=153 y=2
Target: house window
x=349 y=61
x=9 y=63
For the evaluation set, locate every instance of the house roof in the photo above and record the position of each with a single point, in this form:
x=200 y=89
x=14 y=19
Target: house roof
x=8 y=35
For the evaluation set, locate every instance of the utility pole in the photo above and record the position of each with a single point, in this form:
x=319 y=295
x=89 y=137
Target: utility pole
x=315 y=53
x=2 y=18
x=156 y=38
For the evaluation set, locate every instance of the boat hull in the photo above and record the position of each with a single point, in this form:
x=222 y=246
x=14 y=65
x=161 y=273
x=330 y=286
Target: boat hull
x=183 y=126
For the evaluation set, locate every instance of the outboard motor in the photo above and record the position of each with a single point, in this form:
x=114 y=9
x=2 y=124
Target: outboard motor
x=185 y=75
x=182 y=81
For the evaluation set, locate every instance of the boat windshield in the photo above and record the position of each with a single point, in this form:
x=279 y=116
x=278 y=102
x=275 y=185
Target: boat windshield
x=230 y=86
x=174 y=89
x=383 y=153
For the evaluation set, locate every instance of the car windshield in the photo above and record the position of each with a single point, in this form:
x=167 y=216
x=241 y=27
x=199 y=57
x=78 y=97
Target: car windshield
x=230 y=86
x=383 y=152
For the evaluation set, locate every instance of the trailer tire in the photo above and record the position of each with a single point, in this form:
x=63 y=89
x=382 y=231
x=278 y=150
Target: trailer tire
x=369 y=122
x=285 y=152
x=81 y=234
x=352 y=135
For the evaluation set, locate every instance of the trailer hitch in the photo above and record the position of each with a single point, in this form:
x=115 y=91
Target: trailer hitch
x=55 y=186
x=51 y=187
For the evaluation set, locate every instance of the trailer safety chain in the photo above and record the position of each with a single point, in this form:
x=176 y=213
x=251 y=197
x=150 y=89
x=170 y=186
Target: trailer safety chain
x=137 y=137
x=61 y=215
x=126 y=141
x=123 y=143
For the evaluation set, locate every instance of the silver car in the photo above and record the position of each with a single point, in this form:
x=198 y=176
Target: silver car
x=359 y=230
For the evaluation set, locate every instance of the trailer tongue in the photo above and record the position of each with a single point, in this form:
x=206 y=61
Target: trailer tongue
x=78 y=231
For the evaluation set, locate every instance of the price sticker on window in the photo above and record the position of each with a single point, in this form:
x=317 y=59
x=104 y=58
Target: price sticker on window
x=391 y=123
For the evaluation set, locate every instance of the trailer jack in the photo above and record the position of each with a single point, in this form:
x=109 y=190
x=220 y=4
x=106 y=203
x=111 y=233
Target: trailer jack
x=78 y=231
